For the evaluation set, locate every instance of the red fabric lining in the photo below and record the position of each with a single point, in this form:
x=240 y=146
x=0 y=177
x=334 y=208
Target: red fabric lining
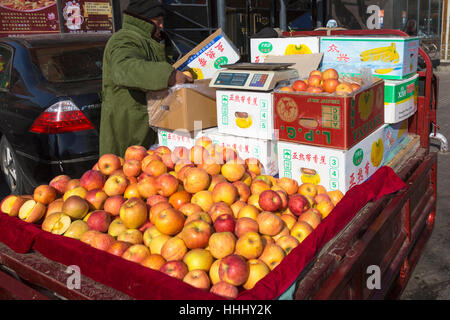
x=17 y=234
x=143 y=283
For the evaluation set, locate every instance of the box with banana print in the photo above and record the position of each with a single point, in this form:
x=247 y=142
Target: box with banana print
x=245 y=113
x=340 y=169
x=260 y=48
x=386 y=57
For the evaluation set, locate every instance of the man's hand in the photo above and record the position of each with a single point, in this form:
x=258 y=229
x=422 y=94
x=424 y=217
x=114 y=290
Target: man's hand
x=178 y=77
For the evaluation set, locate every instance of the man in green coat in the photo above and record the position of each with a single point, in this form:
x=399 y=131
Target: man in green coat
x=134 y=62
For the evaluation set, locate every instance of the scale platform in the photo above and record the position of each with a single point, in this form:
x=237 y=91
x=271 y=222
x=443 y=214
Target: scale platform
x=253 y=76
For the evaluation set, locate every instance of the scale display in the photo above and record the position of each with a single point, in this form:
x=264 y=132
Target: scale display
x=258 y=80
x=254 y=80
x=231 y=79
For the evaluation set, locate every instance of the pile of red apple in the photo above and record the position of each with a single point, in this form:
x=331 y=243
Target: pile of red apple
x=319 y=82
x=202 y=215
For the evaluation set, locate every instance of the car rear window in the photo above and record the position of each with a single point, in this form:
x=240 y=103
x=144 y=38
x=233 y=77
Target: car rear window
x=70 y=62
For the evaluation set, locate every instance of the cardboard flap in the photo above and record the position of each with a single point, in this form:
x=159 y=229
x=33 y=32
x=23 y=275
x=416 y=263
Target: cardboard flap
x=304 y=63
x=200 y=46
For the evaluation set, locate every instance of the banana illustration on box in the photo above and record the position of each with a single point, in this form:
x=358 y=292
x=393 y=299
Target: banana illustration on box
x=376 y=154
x=297 y=49
x=385 y=54
x=384 y=70
x=243 y=120
x=365 y=105
x=197 y=73
x=309 y=176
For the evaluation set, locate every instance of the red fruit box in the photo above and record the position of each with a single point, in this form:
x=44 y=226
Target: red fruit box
x=329 y=120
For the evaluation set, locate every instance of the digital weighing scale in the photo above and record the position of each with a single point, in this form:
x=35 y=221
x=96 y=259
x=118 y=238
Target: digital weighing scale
x=253 y=76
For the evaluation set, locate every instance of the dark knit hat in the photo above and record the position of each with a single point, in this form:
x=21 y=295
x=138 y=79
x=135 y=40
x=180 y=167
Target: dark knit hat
x=146 y=8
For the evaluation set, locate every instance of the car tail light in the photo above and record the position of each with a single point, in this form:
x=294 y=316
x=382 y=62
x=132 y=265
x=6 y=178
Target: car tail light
x=63 y=116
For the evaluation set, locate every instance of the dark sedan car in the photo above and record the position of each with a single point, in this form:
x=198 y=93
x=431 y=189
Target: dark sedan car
x=50 y=102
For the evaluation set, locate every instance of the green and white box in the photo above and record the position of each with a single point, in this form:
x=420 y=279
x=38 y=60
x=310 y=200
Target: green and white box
x=387 y=57
x=260 y=48
x=172 y=138
x=339 y=169
x=245 y=113
x=263 y=150
x=400 y=99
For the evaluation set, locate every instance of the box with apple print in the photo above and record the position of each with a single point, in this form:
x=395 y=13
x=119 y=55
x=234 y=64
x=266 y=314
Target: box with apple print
x=329 y=120
x=340 y=169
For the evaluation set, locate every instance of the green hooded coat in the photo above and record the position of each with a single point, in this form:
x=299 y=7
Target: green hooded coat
x=133 y=63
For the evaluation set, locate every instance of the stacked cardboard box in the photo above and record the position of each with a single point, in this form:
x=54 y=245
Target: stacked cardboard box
x=179 y=107
x=391 y=58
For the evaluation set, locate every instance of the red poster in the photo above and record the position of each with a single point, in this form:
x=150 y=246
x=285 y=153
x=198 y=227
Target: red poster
x=24 y=17
x=87 y=16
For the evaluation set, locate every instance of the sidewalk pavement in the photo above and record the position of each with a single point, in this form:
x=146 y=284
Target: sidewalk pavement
x=431 y=277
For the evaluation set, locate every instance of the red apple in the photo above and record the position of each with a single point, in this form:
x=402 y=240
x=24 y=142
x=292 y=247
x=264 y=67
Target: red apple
x=132 y=167
x=167 y=184
x=176 y=269
x=270 y=200
x=44 y=194
x=136 y=253
x=96 y=198
x=198 y=279
x=298 y=204
x=113 y=204
x=284 y=199
x=225 y=222
x=59 y=183
x=108 y=163
x=218 y=209
x=156 y=198
x=102 y=241
x=99 y=220
x=133 y=213
x=234 y=269
x=92 y=179
x=118 y=248
x=224 y=289
x=115 y=185
x=244 y=225
x=196 y=234
x=135 y=152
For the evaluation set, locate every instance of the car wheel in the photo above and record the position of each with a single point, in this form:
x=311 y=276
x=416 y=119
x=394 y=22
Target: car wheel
x=10 y=167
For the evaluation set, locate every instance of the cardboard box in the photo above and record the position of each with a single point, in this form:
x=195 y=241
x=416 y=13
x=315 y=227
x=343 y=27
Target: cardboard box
x=178 y=138
x=400 y=99
x=245 y=113
x=386 y=57
x=339 y=169
x=260 y=48
x=207 y=57
x=264 y=150
x=329 y=120
x=183 y=107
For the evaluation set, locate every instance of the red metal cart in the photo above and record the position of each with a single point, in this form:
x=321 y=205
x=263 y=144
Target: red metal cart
x=389 y=233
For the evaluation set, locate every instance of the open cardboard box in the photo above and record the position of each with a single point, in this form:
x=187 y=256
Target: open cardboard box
x=193 y=106
x=183 y=107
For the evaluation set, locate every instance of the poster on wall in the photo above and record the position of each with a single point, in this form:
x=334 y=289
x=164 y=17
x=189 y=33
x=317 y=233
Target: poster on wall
x=25 y=17
x=81 y=16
